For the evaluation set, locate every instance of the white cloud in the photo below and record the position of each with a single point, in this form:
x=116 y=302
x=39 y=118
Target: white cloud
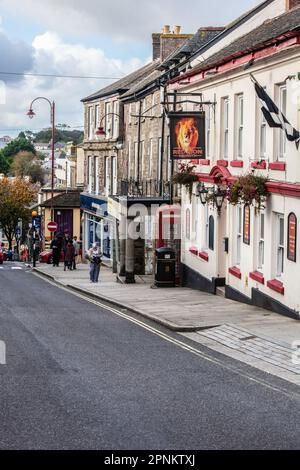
x=126 y=19
x=54 y=56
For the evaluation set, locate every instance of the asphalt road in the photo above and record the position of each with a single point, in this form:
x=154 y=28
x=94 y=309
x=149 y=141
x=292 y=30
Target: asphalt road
x=80 y=377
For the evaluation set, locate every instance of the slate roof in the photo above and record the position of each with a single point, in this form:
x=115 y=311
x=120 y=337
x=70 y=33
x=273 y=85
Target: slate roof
x=259 y=37
x=66 y=199
x=125 y=83
x=202 y=37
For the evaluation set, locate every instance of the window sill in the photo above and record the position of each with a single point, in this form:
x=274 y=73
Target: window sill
x=277 y=166
x=258 y=277
x=194 y=251
x=236 y=272
x=237 y=164
x=222 y=163
x=277 y=286
x=259 y=165
x=204 y=256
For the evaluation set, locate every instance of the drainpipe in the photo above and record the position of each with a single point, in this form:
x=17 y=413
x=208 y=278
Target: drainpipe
x=172 y=161
x=162 y=151
x=139 y=141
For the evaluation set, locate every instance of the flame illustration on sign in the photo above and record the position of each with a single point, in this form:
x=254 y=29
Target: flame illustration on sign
x=187 y=135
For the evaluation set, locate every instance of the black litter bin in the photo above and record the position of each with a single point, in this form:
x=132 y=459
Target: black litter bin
x=165 y=272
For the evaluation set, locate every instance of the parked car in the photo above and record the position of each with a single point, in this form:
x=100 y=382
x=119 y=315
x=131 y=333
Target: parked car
x=47 y=257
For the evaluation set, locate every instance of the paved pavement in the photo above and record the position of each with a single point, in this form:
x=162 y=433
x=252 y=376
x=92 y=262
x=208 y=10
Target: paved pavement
x=82 y=376
x=206 y=319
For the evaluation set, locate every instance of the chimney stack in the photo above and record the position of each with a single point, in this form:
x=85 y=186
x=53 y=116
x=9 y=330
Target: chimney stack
x=291 y=4
x=167 y=41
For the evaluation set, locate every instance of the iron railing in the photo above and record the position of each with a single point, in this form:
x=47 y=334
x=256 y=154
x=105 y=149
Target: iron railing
x=144 y=188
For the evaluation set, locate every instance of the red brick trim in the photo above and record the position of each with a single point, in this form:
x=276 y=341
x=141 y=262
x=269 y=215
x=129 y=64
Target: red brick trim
x=276 y=285
x=277 y=166
x=205 y=162
x=194 y=251
x=259 y=165
x=222 y=163
x=203 y=255
x=235 y=272
x=256 y=276
x=237 y=163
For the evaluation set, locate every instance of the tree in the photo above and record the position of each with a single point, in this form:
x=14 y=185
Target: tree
x=4 y=165
x=26 y=164
x=16 y=195
x=16 y=146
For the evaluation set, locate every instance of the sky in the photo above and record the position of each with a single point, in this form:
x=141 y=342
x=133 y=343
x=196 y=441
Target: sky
x=91 y=38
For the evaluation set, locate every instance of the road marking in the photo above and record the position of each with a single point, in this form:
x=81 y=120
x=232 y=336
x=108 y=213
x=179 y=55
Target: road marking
x=15 y=267
x=169 y=339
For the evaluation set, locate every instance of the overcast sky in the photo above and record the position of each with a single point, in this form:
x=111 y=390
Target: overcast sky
x=91 y=38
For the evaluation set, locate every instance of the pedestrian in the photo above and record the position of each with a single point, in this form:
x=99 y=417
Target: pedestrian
x=95 y=258
x=77 y=250
x=69 y=256
x=55 y=247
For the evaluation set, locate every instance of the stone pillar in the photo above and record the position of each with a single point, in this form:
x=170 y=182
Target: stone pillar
x=122 y=257
x=129 y=261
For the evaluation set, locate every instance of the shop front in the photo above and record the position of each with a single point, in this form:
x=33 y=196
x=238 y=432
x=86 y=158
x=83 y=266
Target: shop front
x=97 y=225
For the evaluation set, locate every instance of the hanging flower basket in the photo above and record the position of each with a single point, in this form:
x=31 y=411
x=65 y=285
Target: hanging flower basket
x=186 y=177
x=248 y=190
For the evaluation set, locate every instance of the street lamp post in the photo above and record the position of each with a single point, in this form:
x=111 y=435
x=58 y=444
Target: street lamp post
x=31 y=115
x=100 y=132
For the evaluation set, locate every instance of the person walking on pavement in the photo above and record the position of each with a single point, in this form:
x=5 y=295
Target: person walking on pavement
x=55 y=247
x=77 y=249
x=95 y=257
x=69 y=255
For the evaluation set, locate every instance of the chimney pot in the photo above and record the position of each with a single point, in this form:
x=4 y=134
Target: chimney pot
x=177 y=29
x=166 y=29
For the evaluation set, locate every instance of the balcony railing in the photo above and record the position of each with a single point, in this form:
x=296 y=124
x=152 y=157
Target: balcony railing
x=145 y=188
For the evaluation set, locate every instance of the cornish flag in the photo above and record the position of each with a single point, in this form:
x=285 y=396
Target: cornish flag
x=274 y=116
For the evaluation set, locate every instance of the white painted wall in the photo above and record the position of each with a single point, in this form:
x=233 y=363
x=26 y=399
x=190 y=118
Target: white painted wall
x=269 y=72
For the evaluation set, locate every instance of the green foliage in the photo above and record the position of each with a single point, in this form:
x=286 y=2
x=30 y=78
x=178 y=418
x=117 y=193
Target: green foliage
x=186 y=177
x=15 y=198
x=61 y=135
x=4 y=165
x=8 y=153
x=248 y=189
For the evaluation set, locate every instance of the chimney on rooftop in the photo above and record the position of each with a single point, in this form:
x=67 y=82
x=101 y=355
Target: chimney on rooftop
x=168 y=41
x=290 y=4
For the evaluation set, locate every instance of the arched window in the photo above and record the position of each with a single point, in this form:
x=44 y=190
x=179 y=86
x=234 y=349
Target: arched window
x=211 y=233
x=188 y=224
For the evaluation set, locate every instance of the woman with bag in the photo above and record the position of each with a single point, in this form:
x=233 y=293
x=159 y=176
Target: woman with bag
x=95 y=257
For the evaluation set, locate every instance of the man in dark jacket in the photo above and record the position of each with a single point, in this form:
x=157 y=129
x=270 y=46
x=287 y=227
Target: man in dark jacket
x=55 y=247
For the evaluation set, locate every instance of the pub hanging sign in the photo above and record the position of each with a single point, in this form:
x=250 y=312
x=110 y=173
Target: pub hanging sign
x=187 y=136
x=292 y=237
